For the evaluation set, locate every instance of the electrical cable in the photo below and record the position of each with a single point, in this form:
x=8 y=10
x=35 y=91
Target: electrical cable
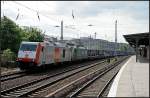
x=34 y=10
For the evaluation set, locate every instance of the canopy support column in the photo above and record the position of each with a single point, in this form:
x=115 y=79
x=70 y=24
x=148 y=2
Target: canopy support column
x=136 y=48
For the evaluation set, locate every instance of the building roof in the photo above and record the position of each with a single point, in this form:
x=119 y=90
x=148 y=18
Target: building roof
x=143 y=38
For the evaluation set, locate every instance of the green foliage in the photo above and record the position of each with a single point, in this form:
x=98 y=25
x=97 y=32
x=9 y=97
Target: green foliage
x=8 y=55
x=32 y=34
x=7 y=59
x=10 y=36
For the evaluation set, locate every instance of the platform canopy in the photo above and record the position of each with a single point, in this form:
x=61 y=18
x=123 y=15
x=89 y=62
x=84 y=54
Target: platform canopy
x=141 y=38
x=135 y=40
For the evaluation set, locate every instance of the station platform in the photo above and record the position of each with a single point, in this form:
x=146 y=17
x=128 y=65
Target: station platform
x=132 y=79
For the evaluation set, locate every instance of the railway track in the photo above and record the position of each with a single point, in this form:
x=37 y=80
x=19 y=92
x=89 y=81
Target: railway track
x=66 y=82
x=39 y=75
x=27 y=88
x=82 y=83
x=12 y=76
x=97 y=86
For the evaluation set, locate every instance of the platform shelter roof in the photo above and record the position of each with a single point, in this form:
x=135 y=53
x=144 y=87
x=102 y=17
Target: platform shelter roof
x=141 y=38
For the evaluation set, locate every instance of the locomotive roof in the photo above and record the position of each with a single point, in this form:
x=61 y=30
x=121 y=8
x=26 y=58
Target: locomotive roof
x=47 y=43
x=64 y=44
x=24 y=42
x=81 y=47
x=58 y=44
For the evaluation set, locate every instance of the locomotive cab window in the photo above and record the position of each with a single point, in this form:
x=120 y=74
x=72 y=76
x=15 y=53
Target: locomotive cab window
x=63 y=53
x=28 y=47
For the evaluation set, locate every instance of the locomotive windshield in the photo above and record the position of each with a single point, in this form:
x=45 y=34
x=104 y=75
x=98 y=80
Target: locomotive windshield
x=28 y=47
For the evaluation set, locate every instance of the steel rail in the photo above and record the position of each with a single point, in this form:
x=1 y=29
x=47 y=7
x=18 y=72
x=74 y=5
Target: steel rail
x=94 y=79
x=7 y=92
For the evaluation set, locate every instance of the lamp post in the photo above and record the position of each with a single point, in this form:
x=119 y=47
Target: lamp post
x=95 y=35
x=61 y=37
x=90 y=35
x=116 y=39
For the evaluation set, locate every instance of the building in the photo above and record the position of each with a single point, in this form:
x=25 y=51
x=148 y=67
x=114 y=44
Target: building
x=100 y=44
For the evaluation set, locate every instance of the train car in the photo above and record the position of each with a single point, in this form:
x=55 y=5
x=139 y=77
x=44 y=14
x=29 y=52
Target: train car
x=33 y=54
x=46 y=54
x=28 y=54
x=37 y=54
x=62 y=53
x=101 y=54
x=79 y=53
x=106 y=53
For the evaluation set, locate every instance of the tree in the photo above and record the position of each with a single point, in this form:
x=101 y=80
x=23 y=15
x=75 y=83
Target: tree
x=10 y=35
x=8 y=55
x=33 y=34
x=8 y=58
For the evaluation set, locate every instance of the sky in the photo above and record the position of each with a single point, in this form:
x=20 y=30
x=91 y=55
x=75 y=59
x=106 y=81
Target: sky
x=132 y=17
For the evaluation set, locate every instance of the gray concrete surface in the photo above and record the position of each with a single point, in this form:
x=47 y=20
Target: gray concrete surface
x=133 y=80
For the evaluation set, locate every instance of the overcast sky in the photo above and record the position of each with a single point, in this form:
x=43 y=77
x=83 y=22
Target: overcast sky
x=132 y=17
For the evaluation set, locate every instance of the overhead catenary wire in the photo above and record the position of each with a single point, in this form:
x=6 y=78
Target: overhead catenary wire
x=17 y=15
x=35 y=11
x=49 y=16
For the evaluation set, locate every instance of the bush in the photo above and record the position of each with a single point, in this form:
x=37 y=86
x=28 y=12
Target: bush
x=8 y=57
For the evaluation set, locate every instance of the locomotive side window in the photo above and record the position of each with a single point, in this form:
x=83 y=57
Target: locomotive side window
x=63 y=53
x=28 y=47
